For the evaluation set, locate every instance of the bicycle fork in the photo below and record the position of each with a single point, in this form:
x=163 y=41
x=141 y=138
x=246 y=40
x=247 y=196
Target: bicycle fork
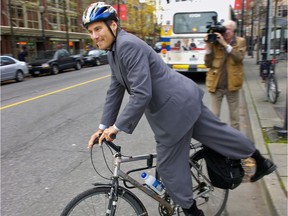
x=113 y=199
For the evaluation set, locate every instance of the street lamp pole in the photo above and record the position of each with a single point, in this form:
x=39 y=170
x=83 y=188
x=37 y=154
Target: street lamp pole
x=118 y=9
x=12 y=29
x=266 y=54
x=251 y=48
x=66 y=24
x=42 y=9
x=242 y=18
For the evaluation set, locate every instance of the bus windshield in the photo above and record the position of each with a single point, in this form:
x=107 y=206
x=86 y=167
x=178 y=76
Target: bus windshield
x=187 y=23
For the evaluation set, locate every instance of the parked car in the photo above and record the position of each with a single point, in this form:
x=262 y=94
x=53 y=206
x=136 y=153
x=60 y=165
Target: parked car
x=96 y=57
x=53 y=62
x=157 y=47
x=80 y=54
x=12 y=69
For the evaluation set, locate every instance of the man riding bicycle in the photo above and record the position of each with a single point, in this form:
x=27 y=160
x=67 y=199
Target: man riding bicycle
x=171 y=103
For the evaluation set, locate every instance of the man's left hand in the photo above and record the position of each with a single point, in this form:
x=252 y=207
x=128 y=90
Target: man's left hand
x=107 y=134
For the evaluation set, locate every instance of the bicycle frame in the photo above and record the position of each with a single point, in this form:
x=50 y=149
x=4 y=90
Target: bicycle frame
x=118 y=159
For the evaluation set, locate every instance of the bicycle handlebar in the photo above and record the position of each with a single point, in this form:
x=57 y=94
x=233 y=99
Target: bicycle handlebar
x=111 y=144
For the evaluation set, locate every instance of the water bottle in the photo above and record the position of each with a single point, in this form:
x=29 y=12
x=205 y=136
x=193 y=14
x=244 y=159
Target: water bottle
x=153 y=183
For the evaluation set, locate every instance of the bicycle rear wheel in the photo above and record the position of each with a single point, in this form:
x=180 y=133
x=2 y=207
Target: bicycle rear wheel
x=95 y=201
x=272 y=88
x=210 y=200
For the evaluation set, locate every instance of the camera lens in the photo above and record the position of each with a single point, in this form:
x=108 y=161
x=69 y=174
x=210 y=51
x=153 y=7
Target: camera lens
x=212 y=38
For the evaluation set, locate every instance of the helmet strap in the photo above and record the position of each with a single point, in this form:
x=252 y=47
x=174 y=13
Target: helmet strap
x=114 y=35
x=108 y=26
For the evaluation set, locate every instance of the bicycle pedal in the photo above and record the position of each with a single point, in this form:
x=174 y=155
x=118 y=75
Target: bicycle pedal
x=203 y=191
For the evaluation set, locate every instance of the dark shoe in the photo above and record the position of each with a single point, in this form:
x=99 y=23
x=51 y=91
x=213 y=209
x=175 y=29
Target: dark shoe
x=193 y=211
x=265 y=168
x=199 y=213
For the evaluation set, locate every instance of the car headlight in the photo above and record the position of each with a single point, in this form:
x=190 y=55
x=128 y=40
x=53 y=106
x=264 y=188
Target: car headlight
x=45 y=65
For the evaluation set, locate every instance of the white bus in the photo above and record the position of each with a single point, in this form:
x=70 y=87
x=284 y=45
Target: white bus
x=184 y=25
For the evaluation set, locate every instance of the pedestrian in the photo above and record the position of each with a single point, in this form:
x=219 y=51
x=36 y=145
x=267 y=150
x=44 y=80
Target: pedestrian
x=225 y=57
x=171 y=103
x=23 y=54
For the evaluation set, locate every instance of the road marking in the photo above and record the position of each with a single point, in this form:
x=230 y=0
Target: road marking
x=51 y=93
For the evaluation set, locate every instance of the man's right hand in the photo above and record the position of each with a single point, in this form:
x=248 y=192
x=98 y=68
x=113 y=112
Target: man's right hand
x=94 y=137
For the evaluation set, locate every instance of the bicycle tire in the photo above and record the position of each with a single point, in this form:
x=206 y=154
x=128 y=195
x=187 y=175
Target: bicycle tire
x=214 y=201
x=272 y=88
x=95 y=200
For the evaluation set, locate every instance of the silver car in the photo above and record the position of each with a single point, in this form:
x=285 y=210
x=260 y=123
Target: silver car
x=12 y=69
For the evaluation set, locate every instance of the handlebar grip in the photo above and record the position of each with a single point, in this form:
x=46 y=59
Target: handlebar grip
x=112 y=145
x=112 y=136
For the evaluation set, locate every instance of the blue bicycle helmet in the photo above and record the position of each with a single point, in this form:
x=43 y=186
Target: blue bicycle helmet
x=99 y=11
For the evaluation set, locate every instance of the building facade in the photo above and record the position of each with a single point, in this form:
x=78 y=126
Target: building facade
x=42 y=25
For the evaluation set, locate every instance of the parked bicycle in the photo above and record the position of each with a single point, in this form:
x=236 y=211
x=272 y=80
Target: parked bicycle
x=112 y=199
x=267 y=72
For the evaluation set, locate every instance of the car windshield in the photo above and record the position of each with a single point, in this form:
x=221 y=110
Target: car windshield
x=45 y=55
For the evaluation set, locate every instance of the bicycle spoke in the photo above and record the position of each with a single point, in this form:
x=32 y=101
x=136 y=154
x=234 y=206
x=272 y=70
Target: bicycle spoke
x=210 y=200
x=95 y=202
x=272 y=89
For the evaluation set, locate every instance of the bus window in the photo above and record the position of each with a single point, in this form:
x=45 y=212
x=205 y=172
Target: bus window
x=187 y=23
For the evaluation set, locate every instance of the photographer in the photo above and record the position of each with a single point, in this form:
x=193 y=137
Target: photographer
x=224 y=56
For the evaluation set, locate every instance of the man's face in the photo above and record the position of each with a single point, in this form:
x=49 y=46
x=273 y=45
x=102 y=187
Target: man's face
x=229 y=34
x=101 y=35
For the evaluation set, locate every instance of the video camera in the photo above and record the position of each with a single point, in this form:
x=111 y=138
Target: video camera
x=215 y=27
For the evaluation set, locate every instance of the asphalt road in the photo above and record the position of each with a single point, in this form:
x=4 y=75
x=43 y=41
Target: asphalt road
x=46 y=123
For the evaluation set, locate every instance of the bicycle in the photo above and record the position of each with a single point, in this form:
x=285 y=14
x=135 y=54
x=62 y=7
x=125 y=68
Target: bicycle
x=113 y=199
x=267 y=72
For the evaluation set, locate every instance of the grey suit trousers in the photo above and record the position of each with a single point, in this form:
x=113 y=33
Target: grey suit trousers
x=173 y=160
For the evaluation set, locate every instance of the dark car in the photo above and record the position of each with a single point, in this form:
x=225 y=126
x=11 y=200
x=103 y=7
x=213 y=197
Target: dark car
x=157 y=47
x=96 y=58
x=53 y=62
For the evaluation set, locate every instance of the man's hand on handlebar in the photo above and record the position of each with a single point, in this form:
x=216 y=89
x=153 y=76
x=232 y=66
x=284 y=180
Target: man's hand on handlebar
x=108 y=134
x=94 y=138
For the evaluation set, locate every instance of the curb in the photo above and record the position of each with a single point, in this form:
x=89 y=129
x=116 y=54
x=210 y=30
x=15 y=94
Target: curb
x=275 y=195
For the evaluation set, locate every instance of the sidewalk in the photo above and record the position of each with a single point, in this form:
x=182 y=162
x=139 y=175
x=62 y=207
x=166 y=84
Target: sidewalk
x=263 y=117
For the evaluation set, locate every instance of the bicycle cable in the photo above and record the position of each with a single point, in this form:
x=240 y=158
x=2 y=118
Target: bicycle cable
x=105 y=160
x=94 y=167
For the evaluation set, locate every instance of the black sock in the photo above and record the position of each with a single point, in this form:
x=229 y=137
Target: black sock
x=258 y=157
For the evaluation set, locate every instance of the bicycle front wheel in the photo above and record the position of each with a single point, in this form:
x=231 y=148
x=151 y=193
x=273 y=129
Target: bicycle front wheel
x=211 y=200
x=272 y=89
x=95 y=201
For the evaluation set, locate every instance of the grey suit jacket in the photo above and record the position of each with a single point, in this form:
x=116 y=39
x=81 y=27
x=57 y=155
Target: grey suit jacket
x=170 y=101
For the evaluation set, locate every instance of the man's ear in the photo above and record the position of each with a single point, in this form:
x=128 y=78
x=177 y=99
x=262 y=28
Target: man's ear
x=113 y=26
